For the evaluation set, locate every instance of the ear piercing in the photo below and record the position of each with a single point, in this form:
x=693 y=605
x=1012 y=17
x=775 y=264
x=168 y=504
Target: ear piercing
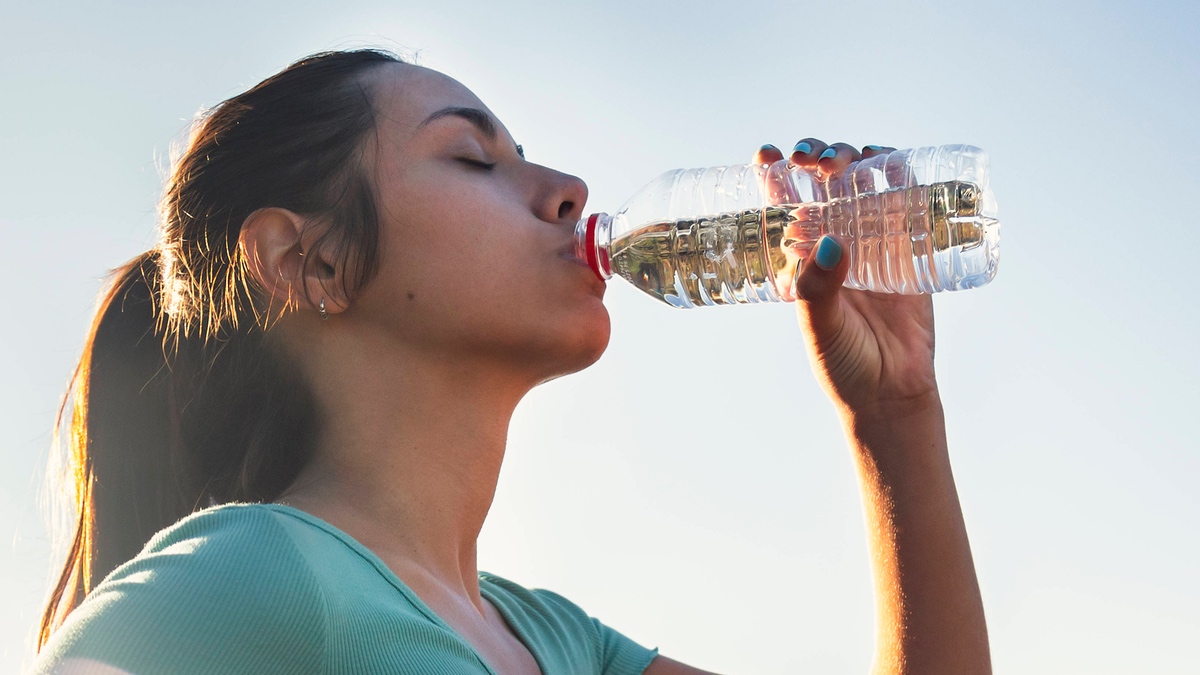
x=321 y=309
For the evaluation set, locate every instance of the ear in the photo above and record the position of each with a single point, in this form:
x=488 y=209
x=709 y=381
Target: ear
x=282 y=261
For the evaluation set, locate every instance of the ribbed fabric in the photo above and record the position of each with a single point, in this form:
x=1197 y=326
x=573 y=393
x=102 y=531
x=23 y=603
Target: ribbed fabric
x=265 y=588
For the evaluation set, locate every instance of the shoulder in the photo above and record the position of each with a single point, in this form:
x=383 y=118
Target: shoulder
x=209 y=532
x=225 y=589
x=561 y=625
x=239 y=555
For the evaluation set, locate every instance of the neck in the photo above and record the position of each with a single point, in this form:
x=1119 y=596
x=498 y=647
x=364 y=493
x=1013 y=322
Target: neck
x=408 y=457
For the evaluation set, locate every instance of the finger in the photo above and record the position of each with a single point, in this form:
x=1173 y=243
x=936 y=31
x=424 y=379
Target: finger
x=820 y=279
x=835 y=159
x=806 y=152
x=768 y=154
x=872 y=150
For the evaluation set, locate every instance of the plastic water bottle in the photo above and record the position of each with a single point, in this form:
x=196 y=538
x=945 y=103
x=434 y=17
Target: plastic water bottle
x=911 y=221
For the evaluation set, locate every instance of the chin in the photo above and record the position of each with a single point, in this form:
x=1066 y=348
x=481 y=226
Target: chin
x=596 y=345
x=582 y=345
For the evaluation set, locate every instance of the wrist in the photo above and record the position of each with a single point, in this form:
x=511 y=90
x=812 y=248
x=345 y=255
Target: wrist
x=912 y=410
x=898 y=438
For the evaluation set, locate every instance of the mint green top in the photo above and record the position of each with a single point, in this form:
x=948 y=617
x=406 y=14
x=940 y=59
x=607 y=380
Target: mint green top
x=265 y=588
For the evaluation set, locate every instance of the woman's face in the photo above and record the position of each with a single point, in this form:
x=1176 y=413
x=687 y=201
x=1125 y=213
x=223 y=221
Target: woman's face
x=475 y=242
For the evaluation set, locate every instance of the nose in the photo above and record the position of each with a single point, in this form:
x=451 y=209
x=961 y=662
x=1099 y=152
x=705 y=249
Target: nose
x=562 y=198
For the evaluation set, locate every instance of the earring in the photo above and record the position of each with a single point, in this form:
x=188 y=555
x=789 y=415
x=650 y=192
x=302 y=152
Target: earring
x=321 y=309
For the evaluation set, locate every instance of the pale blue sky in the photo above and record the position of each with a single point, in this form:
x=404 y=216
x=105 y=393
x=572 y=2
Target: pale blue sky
x=727 y=529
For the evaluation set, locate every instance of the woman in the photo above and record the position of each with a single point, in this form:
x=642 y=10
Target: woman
x=359 y=278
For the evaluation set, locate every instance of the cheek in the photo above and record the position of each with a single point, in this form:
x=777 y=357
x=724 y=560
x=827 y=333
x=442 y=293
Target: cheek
x=473 y=273
x=437 y=236
x=454 y=262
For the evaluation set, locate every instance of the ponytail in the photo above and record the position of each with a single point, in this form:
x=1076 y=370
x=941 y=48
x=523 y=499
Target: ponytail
x=161 y=429
x=180 y=400
x=118 y=398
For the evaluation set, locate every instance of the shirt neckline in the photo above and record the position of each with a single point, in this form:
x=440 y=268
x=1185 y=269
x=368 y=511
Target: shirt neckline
x=386 y=572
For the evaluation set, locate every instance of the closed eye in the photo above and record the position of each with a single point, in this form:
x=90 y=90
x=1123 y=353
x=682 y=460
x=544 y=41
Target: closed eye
x=486 y=166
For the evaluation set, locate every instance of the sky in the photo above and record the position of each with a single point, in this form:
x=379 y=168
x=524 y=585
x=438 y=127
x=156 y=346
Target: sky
x=693 y=489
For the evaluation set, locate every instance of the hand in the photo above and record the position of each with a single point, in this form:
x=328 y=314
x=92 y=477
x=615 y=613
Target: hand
x=872 y=352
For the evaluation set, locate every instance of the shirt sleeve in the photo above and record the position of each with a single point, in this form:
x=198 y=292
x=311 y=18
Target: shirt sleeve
x=616 y=654
x=224 y=591
x=565 y=635
x=620 y=655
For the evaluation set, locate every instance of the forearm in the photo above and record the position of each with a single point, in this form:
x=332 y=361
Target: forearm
x=929 y=612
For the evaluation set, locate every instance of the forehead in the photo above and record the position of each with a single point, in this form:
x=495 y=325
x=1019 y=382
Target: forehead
x=406 y=94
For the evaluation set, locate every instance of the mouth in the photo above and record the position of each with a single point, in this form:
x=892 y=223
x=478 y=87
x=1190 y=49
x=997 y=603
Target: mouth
x=569 y=256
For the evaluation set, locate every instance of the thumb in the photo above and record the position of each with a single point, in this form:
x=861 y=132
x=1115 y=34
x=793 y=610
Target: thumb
x=820 y=279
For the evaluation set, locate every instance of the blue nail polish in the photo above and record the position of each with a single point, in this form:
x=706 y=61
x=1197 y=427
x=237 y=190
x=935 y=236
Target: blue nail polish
x=829 y=152
x=874 y=147
x=767 y=148
x=829 y=252
x=803 y=148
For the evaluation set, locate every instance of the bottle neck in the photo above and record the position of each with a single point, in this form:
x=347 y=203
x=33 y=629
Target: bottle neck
x=593 y=237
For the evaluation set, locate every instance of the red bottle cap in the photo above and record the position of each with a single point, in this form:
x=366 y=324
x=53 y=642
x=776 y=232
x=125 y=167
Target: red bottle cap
x=597 y=258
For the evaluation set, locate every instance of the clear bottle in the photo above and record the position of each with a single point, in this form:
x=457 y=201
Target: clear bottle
x=911 y=221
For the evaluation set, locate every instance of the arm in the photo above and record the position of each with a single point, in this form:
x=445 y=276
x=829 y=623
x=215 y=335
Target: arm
x=873 y=355
x=929 y=615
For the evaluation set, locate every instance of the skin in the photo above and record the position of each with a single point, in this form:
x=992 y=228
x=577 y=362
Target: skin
x=417 y=376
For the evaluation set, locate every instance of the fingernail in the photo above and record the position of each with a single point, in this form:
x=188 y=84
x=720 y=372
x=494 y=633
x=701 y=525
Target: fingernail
x=767 y=148
x=829 y=152
x=829 y=252
x=802 y=147
x=874 y=147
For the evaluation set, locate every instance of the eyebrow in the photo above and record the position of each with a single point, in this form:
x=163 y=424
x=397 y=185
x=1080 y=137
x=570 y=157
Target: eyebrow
x=480 y=119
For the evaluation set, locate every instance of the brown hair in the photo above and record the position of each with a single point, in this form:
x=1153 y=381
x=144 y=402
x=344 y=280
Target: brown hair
x=179 y=400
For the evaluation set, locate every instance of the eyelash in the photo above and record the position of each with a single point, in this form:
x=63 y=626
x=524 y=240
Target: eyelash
x=478 y=164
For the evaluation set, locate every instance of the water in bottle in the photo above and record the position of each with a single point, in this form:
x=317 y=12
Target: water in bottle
x=910 y=221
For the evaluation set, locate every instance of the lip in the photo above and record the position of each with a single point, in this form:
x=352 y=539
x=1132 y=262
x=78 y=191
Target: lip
x=596 y=282
x=567 y=252
x=570 y=257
